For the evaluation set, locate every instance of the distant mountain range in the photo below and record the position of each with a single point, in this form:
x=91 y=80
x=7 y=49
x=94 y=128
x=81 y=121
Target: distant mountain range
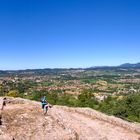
x=128 y=65
x=123 y=66
x=53 y=70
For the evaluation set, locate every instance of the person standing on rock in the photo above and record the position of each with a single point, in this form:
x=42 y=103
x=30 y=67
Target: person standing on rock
x=3 y=103
x=44 y=103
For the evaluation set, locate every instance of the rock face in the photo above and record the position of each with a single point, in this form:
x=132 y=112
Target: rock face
x=23 y=120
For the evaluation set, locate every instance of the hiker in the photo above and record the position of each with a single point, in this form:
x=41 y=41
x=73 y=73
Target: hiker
x=44 y=103
x=3 y=103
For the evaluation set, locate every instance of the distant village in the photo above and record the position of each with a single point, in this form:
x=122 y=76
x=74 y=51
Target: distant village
x=75 y=81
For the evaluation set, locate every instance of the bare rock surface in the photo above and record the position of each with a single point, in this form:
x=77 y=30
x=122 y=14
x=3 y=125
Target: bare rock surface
x=23 y=120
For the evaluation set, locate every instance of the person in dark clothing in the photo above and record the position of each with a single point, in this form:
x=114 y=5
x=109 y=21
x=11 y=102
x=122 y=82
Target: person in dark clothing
x=4 y=103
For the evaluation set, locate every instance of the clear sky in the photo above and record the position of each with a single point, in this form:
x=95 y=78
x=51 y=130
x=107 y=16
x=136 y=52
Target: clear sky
x=68 y=33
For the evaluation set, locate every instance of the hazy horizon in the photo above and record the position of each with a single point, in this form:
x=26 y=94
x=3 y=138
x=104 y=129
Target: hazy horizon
x=67 y=67
x=68 y=34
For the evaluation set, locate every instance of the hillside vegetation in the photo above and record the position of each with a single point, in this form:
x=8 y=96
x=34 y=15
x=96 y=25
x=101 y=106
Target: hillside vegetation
x=127 y=107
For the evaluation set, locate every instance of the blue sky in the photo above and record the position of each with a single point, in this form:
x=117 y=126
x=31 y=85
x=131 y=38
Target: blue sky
x=68 y=33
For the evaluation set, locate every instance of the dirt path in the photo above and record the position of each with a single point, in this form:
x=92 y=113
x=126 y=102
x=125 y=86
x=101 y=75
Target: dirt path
x=26 y=122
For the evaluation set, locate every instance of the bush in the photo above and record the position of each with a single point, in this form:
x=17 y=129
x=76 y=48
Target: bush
x=13 y=93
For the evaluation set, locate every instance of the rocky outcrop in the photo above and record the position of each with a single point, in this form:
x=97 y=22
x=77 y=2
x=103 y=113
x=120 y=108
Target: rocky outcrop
x=135 y=127
x=109 y=119
x=23 y=120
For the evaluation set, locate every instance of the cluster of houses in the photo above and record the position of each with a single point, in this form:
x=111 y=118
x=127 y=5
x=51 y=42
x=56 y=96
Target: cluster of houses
x=101 y=87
